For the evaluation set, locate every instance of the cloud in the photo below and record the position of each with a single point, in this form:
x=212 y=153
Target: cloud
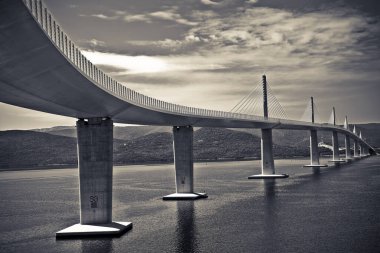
x=96 y=42
x=209 y=2
x=137 y=18
x=131 y=64
x=168 y=15
x=92 y=44
x=100 y=16
x=225 y=54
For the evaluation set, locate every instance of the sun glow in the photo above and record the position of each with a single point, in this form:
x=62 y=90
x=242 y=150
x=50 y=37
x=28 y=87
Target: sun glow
x=127 y=64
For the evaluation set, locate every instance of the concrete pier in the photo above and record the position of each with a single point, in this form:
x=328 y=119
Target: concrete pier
x=356 y=149
x=183 y=162
x=314 y=153
x=363 y=150
x=267 y=162
x=95 y=158
x=356 y=145
x=347 y=141
x=348 y=148
x=335 y=144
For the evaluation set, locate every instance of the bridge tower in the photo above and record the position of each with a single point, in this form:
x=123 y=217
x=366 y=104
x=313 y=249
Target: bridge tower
x=335 y=141
x=183 y=163
x=267 y=161
x=356 y=145
x=363 y=152
x=347 y=141
x=314 y=153
x=95 y=160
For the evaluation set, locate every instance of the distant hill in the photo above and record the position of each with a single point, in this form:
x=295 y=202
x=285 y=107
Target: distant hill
x=294 y=138
x=122 y=133
x=150 y=148
x=55 y=147
x=24 y=149
x=370 y=131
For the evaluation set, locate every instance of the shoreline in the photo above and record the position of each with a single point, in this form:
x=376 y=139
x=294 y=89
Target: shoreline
x=73 y=166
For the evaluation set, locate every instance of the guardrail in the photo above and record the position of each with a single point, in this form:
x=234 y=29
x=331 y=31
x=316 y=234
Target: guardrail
x=73 y=54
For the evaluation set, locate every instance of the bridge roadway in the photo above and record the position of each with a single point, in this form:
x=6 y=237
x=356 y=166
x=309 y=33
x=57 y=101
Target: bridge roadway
x=42 y=69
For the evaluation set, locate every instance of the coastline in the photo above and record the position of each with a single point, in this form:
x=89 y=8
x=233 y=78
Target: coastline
x=150 y=163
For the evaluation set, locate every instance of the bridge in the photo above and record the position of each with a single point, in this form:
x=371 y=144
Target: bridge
x=43 y=70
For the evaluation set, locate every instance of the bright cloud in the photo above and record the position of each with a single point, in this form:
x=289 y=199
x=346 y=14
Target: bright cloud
x=132 y=64
x=100 y=16
x=209 y=2
x=169 y=15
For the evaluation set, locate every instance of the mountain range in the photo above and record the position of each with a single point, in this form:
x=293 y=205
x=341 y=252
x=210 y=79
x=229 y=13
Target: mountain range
x=56 y=147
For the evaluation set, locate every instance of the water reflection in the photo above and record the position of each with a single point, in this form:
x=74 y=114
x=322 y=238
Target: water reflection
x=186 y=230
x=103 y=245
x=270 y=188
x=270 y=215
x=316 y=173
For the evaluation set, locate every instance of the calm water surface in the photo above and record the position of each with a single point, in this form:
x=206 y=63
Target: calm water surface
x=333 y=209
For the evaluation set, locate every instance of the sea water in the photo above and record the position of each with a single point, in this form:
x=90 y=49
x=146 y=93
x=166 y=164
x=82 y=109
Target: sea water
x=334 y=209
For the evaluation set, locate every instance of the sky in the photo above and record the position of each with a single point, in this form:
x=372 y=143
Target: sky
x=211 y=53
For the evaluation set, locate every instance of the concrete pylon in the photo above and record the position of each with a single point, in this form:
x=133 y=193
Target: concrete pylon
x=365 y=153
x=314 y=152
x=356 y=149
x=267 y=161
x=356 y=145
x=95 y=159
x=347 y=141
x=361 y=148
x=183 y=162
x=335 y=141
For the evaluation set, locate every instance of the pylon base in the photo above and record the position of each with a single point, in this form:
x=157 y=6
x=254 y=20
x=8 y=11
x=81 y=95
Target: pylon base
x=268 y=176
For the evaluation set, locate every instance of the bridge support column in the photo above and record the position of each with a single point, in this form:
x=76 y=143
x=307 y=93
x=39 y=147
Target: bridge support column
x=267 y=162
x=356 y=149
x=183 y=162
x=314 y=153
x=367 y=153
x=348 y=148
x=95 y=155
x=335 y=144
x=363 y=151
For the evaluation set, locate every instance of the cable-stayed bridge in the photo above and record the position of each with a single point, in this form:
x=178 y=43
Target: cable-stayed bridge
x=42 y=69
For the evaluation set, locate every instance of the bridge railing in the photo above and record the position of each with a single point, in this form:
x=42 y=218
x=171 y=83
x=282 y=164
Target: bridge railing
x=73 y=54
